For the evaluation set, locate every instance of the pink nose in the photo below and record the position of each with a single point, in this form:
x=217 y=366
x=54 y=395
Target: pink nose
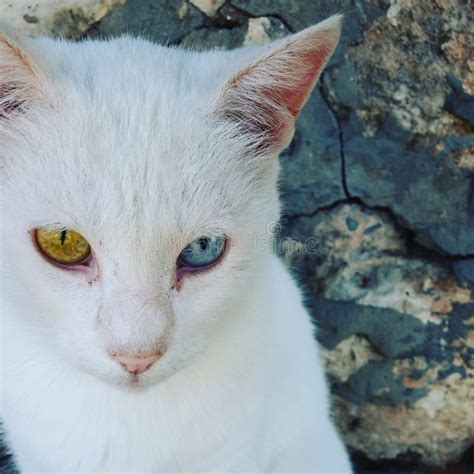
x=137 y=365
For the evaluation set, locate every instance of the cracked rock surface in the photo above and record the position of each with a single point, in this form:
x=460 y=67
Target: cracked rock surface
x=380 y=179
x=59 y=18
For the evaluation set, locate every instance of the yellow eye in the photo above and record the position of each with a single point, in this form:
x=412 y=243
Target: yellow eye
x=64 y=246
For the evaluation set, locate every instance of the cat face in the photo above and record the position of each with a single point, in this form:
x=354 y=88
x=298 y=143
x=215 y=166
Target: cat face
x=159 y=165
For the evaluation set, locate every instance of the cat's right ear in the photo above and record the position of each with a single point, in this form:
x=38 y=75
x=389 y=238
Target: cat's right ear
x=21 y=82
x=264 y=98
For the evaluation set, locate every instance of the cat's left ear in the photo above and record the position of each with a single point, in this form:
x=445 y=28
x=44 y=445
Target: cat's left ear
x=264 y=99
x=21 y=82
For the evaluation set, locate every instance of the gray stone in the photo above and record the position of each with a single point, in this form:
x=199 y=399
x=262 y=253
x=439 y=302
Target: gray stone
x=164 y=21
x=385 y=328
x=374 y=383
x=408 y=319
x=428 y=192
x=311 y=167
x=214 y=38
x=352 y=224
x=402 y=150
x=460 y=103
x=340 y=83
x=465 y=269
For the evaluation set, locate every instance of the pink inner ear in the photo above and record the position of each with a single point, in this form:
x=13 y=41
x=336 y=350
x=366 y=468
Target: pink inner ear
x=266 y=97
x=295 y=98
x=291 y=99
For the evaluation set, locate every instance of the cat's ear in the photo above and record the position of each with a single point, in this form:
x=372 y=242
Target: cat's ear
x=20 y=80
x=265 y=97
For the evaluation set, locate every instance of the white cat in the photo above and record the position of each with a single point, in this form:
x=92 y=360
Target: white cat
x=146 y=325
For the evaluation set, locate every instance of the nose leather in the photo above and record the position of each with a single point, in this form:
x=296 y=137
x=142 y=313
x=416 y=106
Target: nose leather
x=137 y=365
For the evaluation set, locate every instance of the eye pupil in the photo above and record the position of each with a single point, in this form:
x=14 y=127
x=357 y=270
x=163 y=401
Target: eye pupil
x=63 y=236
x=203 y=243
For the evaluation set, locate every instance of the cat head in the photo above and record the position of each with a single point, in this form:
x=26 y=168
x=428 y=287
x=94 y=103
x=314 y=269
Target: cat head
x=138 y=183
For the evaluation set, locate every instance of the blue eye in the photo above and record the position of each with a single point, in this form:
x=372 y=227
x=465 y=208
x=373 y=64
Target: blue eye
x=202 y=252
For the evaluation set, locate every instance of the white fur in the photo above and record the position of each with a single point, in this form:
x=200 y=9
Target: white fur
x=123 y=141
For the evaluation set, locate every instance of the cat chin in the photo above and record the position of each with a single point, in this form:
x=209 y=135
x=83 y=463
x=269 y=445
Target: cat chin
x=138 y=383
x=132 y=382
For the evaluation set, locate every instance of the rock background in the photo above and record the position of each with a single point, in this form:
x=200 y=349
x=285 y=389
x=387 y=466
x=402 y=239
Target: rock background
x=380 y=179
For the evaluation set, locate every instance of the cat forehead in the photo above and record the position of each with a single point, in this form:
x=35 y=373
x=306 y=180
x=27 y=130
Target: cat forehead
x=129 y=125
x=131 y=73
x=105 y=174
x=131 y=85
x=132 y=98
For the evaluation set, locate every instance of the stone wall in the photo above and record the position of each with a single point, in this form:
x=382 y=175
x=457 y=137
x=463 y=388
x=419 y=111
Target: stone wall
x=380 y=175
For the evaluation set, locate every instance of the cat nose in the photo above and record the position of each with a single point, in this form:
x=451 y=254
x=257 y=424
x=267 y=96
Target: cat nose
x=136 y=365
